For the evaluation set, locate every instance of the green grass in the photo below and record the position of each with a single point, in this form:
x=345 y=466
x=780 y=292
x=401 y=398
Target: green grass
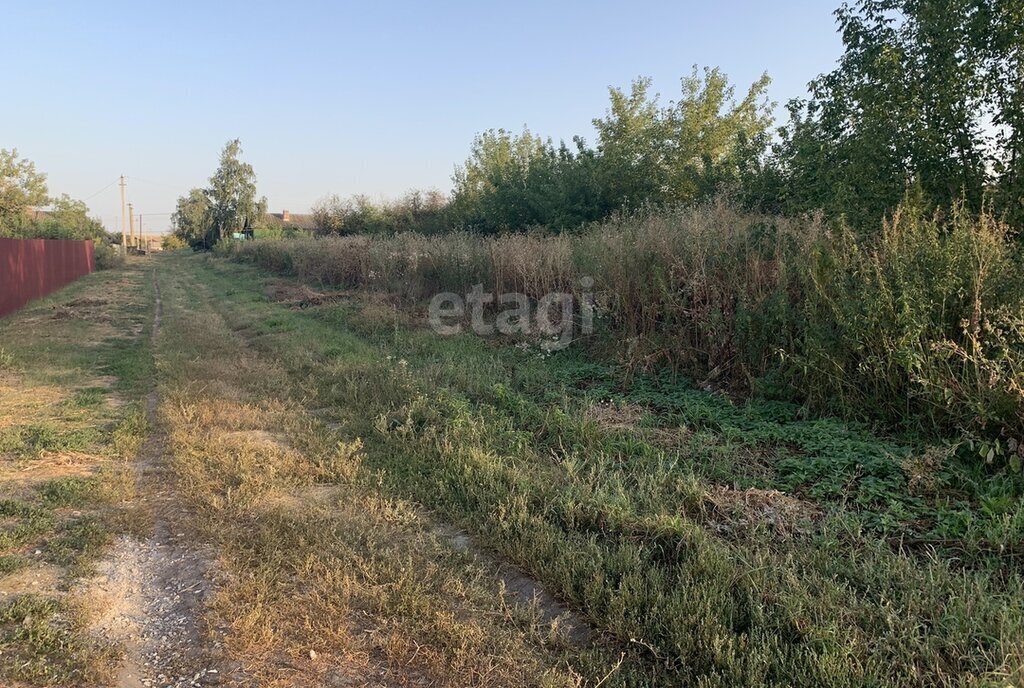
x=884 y=575
x=70 y=492
x=312 y=554
x=79 y=541
x=30 y=441
x=9 y=563
x=41 y=642
x=89 y=398
x=64 y=453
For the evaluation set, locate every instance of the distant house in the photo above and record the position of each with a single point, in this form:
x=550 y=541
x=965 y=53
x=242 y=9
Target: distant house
x=287 y=220
x=36 y=214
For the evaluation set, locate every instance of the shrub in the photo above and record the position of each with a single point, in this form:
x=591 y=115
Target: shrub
x=172 y=242
x=924 y=324
x=108 y=256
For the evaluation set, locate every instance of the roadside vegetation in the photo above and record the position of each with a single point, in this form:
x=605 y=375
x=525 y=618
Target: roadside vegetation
x=73 y=370
x=919 y=330
x=325 y=579
x=711 y=541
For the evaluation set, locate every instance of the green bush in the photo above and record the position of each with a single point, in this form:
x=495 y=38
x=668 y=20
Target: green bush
x=924 y=324
x=108 y=256
x=172 y=242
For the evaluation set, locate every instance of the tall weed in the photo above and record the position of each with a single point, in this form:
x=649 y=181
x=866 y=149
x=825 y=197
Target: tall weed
x=920 y=326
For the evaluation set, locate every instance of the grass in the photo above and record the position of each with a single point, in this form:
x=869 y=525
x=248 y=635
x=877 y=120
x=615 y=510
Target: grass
x=713 y=542
x=324 y=449
x=43 y=642
x=72 y=378
x=313 y=554
x=852 y=325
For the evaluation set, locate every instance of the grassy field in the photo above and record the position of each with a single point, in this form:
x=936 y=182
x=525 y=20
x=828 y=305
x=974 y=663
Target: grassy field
x=333 y=452
x=712 y=543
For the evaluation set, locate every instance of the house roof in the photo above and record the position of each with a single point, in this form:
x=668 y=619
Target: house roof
x=295 y=220
x=37 y=214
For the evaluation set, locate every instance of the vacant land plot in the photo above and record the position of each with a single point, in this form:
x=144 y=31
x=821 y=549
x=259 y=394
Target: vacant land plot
x=362 y=502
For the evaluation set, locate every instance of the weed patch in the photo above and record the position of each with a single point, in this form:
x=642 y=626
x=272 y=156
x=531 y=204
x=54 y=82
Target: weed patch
x=723 y=543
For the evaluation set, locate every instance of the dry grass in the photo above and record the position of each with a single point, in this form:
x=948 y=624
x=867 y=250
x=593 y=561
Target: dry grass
x=851 y=325
x=327 y=580
x=70 y=387
x=753 y=508
x=723 y=544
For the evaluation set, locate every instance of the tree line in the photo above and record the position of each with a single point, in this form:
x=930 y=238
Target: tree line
x=926 y=101
x=23 y=190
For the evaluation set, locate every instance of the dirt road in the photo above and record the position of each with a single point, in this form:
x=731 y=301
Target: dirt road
x=231 y=536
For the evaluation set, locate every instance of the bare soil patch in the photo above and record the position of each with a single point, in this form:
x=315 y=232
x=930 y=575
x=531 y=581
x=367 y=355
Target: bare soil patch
x=50 y=466
x=149 y=595
x=38 y=578
x=299 y=295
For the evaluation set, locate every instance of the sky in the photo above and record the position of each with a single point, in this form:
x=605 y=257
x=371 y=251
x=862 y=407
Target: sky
x=345 y=98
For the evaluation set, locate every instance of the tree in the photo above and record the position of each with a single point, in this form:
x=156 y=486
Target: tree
x=1005 y=58
x=683 y=152
x=711 y=136
x=192 y=219
x=205 y=216
x=908 y=106
x=631 y=141
x=20 y=187
x=232 y=195
x=417 y=211
x=68 y=218
x=490 y=187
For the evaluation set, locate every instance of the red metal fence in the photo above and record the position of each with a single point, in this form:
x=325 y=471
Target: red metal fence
x=31 y=268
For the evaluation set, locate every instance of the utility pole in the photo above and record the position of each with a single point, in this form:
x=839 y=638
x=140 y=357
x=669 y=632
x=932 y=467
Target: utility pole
x=124 y=221
x=131 y=223
x=142 y=236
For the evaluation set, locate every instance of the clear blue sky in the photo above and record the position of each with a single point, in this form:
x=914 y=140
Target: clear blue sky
x=352 y=98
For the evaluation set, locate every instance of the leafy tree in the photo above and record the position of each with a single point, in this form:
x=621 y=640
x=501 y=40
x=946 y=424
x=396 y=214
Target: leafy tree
x=490 y=188
x=645 y=154
x=564 y=187
x=685 y=151
x=1005 y=60
x=418 y=211
x=232 y=192
x=634 y=166
x=355 y=215
x=20 y=187
x=192 y=219
x=908 y=106
x=205 y=216
x=68 y=218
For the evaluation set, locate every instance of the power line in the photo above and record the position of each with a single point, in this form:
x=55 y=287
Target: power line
x=100 y=191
